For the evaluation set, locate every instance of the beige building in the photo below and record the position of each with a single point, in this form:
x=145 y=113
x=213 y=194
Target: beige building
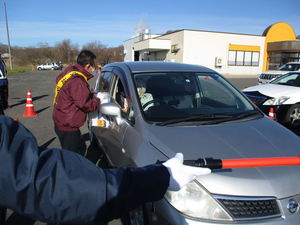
x=227 y=53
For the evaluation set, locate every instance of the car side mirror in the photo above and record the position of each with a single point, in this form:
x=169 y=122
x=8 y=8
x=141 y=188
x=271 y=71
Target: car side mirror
x=111 y=109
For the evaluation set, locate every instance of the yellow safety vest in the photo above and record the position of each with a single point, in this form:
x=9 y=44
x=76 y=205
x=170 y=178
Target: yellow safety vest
x=63 y=80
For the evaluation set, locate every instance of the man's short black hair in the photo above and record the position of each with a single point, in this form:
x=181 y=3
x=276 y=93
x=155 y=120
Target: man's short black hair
x=86 y=57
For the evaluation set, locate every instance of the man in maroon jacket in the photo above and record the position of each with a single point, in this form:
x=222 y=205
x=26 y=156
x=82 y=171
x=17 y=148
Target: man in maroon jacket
x=73 y=100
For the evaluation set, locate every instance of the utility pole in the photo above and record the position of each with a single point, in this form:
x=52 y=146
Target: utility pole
x=8 y=40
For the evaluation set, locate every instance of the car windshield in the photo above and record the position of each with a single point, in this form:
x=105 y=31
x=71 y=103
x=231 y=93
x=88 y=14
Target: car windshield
x=176 y=96
x=291 y=79
x=290 y=67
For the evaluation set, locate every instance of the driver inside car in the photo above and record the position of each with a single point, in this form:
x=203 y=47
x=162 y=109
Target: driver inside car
x=144 y=97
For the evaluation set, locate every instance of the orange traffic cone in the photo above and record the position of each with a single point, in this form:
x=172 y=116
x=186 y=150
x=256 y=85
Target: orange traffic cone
x=271 y=114
x=29 y=110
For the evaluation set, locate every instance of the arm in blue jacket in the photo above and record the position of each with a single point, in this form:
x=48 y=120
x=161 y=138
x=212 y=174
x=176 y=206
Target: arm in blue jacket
x=55 y=185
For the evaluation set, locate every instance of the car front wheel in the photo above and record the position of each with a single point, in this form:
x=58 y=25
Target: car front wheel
x=292 y=117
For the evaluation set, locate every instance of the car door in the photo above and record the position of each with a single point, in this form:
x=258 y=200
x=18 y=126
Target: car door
x=111 y=137
x=104 y=84
x=49 y=66
x=115 y=138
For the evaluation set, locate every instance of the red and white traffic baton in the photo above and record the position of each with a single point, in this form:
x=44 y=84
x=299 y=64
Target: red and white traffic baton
x=242 y=163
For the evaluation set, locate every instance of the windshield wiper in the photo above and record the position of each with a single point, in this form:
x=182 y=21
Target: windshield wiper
x=212 y=118
x=246 y=114
x=237 y=116
x=203 y=117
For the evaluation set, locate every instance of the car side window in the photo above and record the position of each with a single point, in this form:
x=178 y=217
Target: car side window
x=289 y=80
x=122 y=100
x=105 y=82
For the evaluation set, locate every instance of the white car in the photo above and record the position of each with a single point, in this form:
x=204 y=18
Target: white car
x=49 y=66
x=280 y=97
x=268 y=76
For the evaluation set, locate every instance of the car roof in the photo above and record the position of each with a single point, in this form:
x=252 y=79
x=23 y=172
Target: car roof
x=138 y=67
x=293 y=72
x=293 y=63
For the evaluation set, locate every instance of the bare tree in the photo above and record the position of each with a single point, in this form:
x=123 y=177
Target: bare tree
x=118 y=54
x=66 y=52
x=24 y=56
x=98 y=49
x=46 y=52
x=104 y=54
x=3 y=48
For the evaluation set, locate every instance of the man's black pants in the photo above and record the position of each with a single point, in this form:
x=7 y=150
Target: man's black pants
x=4 y=96
x=2 y=216
x=71 y=140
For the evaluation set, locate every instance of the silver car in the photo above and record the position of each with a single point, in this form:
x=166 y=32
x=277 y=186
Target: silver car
x=158 y=109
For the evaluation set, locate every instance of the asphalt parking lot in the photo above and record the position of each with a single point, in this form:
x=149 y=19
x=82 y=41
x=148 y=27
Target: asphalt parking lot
x=42 y=84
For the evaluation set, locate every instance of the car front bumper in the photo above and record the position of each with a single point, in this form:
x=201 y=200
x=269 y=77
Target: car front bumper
x=171 y=216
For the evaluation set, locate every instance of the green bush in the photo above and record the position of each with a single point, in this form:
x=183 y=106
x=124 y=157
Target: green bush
x=18 y=69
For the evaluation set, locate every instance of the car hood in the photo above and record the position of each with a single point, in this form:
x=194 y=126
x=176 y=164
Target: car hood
x=274 y=90
x=276 y=72
x=252 y=139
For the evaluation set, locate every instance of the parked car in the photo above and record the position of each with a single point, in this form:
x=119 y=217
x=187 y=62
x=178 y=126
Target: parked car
x=58 y=66
x=268 y=76
x=45 y=66
x=50 y=66
x=282 y=95
x=192 y=109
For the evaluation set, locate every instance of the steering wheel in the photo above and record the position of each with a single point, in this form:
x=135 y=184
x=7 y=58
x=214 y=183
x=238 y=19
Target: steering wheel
x=156 y=100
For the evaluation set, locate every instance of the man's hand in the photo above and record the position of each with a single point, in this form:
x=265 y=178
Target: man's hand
x=181 y=174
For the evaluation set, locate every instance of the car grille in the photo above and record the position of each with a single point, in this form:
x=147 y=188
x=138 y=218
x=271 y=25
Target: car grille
x=269 y=76
x=256 y=97
x=250 y=208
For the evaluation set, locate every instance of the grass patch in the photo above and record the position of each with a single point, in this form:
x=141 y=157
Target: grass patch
x=18 y=69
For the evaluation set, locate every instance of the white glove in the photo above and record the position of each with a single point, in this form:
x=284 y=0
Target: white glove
x=104 y=97
x=181 y=174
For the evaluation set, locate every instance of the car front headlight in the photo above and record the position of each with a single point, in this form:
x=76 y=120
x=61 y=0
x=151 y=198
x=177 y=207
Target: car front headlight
x=276 y=101
x=194 y=201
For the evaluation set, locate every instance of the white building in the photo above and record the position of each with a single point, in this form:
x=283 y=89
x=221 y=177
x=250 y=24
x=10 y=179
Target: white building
x=130 y=54
x=227 y=53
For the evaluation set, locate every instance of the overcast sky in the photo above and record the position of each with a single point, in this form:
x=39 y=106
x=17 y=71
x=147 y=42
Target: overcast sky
x=112 y=21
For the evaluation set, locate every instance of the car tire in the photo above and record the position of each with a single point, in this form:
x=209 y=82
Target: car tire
x=292 y=117
x=95 y=153
x=136 y=217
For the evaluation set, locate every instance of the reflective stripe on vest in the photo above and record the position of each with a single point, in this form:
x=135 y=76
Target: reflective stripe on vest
x=63 y=80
